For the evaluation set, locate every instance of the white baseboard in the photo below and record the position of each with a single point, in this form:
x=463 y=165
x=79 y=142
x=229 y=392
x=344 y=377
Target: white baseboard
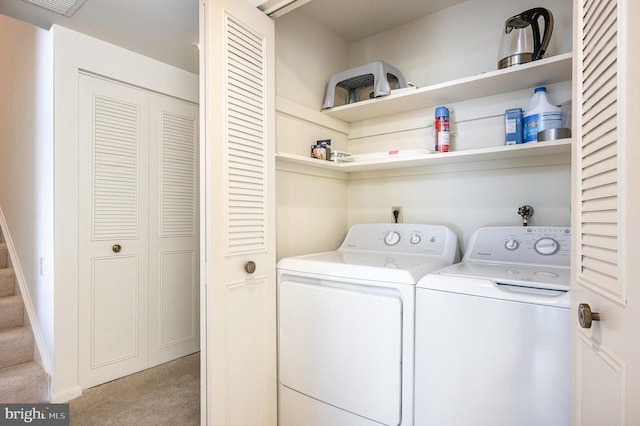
x=66 y=395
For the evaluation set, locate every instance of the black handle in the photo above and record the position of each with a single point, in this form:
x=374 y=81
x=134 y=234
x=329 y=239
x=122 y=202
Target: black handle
x=540 y=45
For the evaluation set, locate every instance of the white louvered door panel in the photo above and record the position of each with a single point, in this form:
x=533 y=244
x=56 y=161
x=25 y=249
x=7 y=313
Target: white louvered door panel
x=238 y=113
x=113 y=210
x=246 y=149
x=174 y=328
x=605 y=270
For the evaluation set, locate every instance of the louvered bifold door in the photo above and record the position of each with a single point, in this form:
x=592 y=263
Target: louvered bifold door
x=113 y=236
x=173 y=230
x=600 y=349
x=598 y=228
x=239 y=120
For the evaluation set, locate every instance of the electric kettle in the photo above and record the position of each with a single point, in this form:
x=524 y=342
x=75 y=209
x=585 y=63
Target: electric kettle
x=521 y=41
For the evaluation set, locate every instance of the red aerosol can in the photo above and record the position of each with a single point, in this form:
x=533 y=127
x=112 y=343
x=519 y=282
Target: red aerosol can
x=442 y=129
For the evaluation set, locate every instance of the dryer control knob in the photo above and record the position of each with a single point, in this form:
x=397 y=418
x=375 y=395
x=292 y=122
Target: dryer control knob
x=415 y=239
x=392 y=238
x=511 y=244
x=547 y=246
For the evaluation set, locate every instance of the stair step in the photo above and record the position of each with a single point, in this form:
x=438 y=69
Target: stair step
x=11 y=312
x=7 y=282
x=17 y=346
x=4 y=255
x=23 y=383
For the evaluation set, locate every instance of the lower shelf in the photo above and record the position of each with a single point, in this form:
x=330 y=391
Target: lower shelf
x=561 y=148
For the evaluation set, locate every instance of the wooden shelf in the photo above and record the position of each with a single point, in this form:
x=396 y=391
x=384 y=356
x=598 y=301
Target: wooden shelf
x=561 y=147
x=546 y=71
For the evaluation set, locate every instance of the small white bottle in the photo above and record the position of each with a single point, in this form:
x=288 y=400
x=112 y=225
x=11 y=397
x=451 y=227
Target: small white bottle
x=540 y=115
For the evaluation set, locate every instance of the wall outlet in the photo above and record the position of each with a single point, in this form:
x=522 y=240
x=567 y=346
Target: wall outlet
x=395 y=209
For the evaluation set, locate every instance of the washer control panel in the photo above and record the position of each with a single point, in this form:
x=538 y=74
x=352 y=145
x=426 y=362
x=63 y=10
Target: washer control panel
x=538 y=245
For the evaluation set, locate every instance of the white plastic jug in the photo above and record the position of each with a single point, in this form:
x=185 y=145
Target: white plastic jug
x=540 y=115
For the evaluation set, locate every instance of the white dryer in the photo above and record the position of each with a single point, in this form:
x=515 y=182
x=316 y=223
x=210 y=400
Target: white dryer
x=346 y=325
x=492 y=332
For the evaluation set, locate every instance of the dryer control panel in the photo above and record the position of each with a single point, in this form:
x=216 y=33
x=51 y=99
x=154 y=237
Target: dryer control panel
x=535 y=245
x=403 y=238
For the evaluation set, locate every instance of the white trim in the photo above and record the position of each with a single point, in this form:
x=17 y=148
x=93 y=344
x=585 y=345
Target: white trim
x=66 y=395
x=204 y=206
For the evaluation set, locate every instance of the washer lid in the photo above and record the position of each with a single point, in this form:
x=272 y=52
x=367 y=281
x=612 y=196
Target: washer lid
x=555 y=278
x=365 y=265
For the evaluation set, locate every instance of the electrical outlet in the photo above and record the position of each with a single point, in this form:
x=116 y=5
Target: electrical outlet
x=395 y=209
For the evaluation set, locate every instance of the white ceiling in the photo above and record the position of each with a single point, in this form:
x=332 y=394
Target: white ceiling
x=354 y=20
x=161 y=29
x=167 y=30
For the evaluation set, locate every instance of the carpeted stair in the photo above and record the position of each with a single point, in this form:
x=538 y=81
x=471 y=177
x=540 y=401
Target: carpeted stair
x=21 y=379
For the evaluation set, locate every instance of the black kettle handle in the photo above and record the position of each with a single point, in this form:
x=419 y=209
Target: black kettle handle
x=540 y=45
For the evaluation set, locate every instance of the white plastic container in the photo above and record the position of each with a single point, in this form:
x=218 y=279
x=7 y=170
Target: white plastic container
x=540 y=115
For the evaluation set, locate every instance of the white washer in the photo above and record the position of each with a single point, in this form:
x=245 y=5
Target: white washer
x=492 y=332
x=346 y=325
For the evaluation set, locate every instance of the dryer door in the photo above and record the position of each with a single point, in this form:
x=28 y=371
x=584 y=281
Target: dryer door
x=342 y=344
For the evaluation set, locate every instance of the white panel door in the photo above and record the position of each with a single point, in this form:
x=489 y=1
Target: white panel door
x=113 y=264
x=605 y=267
x=139 y=254
x=174 y=327
x=237 y=83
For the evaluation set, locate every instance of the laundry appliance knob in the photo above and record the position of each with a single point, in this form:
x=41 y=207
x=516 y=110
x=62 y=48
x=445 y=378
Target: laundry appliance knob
x=392 y=238
x=511 y=244
x=547 y=246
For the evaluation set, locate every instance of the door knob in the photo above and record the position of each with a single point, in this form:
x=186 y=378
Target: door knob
x=250 y=267
x=116 y=248
x=585 y=316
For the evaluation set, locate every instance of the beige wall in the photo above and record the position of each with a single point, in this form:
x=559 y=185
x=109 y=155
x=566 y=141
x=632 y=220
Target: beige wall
x=457 y=42
x=26 y=169
x=311 y=208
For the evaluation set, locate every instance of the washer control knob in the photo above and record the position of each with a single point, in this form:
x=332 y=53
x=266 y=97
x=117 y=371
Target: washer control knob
x=415 y=239
x=511 y=244
x=546 y=246
x=392 y=238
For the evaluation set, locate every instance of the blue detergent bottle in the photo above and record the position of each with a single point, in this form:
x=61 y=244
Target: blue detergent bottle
x=540 y=115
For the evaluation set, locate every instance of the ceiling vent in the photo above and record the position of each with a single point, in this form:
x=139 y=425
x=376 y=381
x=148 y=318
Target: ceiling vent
x=63 y=7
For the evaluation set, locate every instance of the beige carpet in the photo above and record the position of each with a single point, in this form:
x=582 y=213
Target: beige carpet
x=168 y=394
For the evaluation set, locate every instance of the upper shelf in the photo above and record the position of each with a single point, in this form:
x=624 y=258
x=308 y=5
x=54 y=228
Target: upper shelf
x=546 y=71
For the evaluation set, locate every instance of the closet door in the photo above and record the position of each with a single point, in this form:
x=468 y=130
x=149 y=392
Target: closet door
x=238 y=113
x=173 y=230
x=605 y=267
x=113 y=211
